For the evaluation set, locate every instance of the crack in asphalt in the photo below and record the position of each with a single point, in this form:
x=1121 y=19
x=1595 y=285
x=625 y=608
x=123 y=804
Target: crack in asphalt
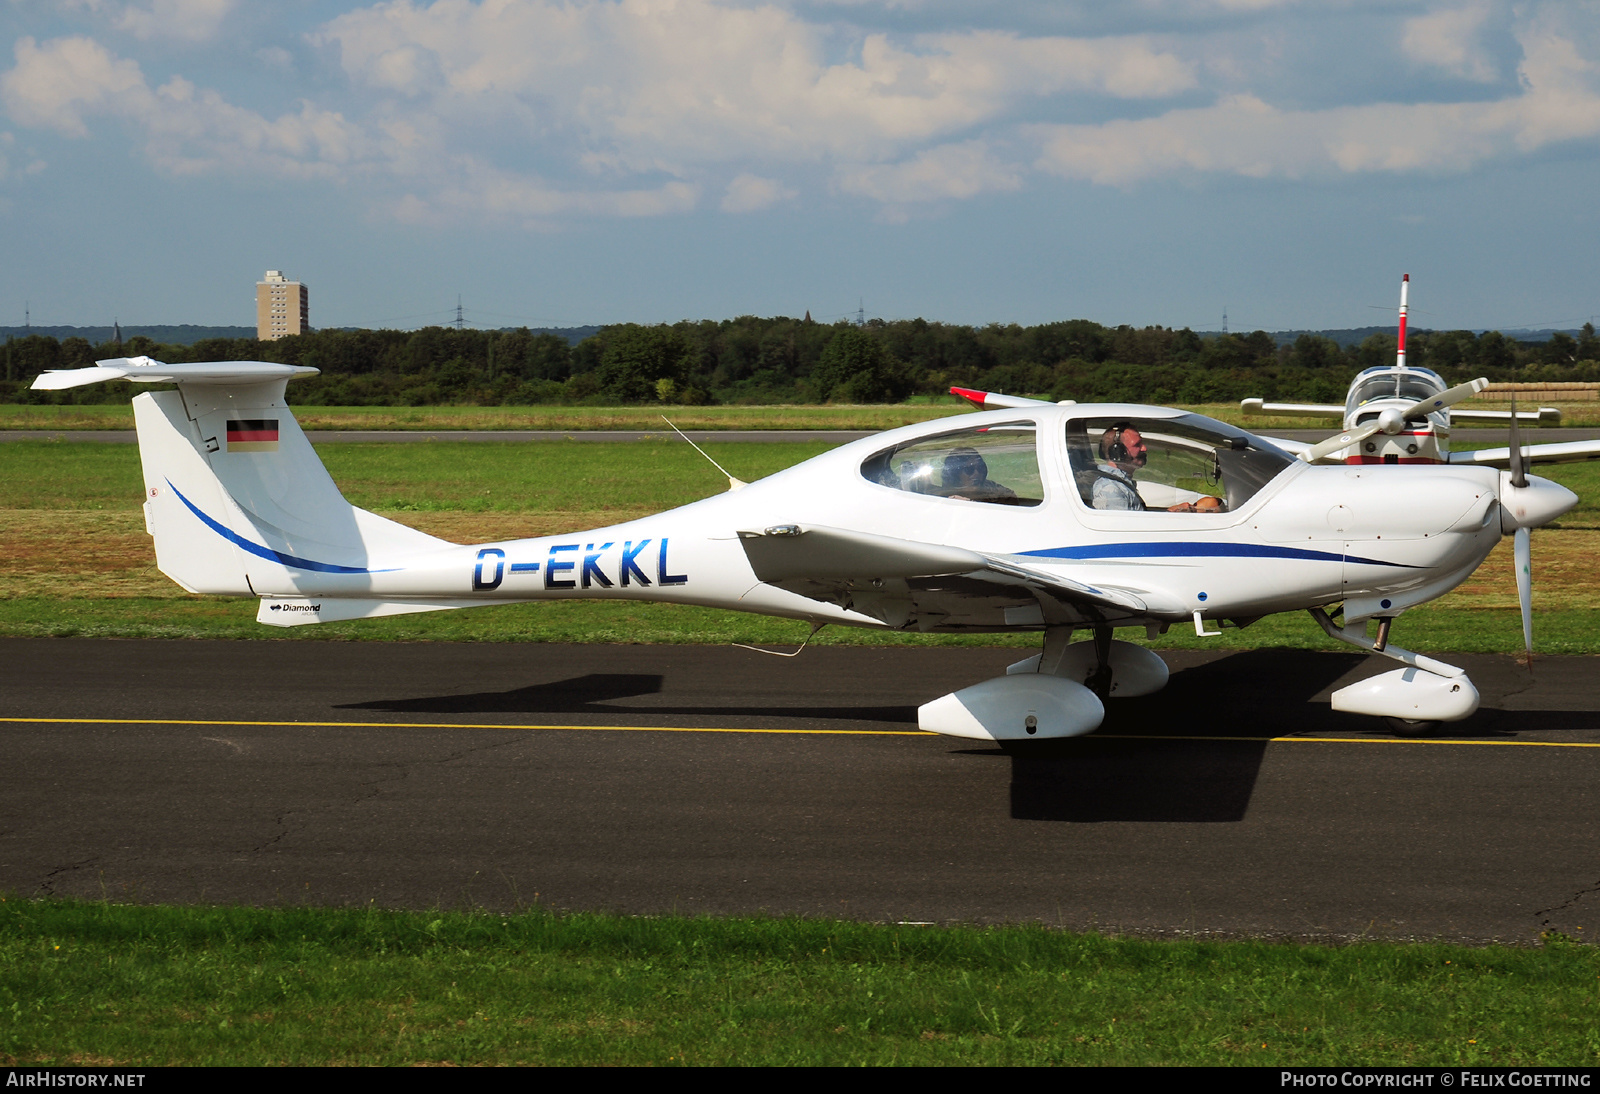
x=1545 y=924
x=46 y=884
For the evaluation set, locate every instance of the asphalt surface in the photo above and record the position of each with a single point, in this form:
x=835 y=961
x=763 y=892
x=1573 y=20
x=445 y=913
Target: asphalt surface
x=701 y=436
x=633 y=779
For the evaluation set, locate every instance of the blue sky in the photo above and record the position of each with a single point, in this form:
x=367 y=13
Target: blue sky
x=557 y=164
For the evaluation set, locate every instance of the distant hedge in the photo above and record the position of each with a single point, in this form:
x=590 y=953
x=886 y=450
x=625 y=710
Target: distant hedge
x=783 y=360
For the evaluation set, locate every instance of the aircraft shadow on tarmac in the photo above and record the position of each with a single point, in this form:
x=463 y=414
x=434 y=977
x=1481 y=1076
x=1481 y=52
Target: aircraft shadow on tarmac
x=596 y=694
x=1239 y=702
x=1225 y=710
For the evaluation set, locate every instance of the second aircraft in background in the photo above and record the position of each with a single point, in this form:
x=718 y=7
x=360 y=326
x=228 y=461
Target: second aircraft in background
x=1401 y=414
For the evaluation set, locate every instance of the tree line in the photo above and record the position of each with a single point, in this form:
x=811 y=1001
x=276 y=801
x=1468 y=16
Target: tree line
x=776 y=360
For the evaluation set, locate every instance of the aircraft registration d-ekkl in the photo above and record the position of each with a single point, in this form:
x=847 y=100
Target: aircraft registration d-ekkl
x=1043 y=518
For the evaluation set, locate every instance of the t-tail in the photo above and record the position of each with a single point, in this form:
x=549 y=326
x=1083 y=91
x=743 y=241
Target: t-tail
x=236 y=499
x=239 y=505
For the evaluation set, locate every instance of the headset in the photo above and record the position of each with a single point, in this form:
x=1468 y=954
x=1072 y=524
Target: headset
x=1116 y=451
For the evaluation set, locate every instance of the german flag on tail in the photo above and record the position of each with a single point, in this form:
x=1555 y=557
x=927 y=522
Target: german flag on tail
x=253 y=435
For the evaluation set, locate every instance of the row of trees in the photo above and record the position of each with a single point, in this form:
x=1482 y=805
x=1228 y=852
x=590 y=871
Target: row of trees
x=782 y=360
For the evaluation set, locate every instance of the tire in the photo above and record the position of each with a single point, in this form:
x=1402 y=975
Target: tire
x=1411 y=727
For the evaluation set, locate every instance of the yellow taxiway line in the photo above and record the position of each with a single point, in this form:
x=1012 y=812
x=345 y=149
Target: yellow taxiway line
x=806 y=732
x=460 y=725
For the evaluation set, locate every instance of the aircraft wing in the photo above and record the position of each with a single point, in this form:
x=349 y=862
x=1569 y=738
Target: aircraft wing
x=1566 y=452
x=897 y=581
x=1549 y=415
x=990 y=400
x=1292 y=410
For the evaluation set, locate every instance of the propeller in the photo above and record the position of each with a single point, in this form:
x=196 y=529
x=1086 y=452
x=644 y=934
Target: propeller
x=1392 y=421
x=1521 y=545
x=1527 y=502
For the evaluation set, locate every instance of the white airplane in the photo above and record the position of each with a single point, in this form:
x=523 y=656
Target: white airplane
x=1398 y=414
x=983 y=522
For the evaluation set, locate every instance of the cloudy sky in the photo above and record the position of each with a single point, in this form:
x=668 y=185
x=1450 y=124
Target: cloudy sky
x=592 y=161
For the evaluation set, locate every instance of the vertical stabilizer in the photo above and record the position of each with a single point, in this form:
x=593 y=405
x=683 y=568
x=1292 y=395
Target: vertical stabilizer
x=1400 y=347
x=178 y=488
x=235 y=496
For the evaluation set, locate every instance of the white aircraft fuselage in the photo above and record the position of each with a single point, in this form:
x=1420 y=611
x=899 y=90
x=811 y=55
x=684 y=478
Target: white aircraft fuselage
x=1032 y=517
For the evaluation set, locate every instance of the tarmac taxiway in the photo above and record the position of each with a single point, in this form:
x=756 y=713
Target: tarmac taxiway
x=653 y=779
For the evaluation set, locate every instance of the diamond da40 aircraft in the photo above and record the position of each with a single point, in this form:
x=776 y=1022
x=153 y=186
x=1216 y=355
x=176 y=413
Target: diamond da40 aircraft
x=1053 y=519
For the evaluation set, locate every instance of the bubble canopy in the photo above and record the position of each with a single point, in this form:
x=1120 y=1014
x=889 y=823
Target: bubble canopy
x=1185 y=461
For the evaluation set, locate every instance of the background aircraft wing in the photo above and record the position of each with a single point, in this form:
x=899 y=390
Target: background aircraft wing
x=1549 y=415
x=1566 y=452
x=897 y=581
x=1293 y=410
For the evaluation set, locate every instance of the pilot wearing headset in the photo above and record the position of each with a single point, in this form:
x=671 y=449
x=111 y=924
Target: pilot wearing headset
x=1122 y=452
x=966 y=475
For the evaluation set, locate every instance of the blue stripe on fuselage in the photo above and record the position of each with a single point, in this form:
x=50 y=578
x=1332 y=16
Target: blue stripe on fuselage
x=1203 y=550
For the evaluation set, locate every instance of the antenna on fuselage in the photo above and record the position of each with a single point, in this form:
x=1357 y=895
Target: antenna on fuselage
x=733 y=483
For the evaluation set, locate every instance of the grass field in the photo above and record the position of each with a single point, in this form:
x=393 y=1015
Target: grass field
x=99 y=984
x=76 y=559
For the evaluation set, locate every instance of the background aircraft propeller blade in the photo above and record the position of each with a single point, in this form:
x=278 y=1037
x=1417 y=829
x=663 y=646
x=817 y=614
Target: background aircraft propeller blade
x=1339 y=442
x=1450 y=397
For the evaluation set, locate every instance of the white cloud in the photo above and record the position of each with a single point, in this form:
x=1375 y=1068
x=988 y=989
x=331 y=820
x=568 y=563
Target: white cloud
x=534 y=110
x=476 y=191
x=186 y=20
x=55 y=85
x=187 y=130
x=749 y=193
x=1559 y=100
x=1242 y=135
x=660 y=84
x=948 y=171
x=1449 y=39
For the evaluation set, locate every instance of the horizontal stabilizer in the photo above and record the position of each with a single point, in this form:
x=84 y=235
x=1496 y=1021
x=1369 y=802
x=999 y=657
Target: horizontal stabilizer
x=286 y=611
x=147 y=370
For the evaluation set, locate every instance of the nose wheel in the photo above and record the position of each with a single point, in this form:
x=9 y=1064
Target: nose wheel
x=1441 y=692
x=1412 y=727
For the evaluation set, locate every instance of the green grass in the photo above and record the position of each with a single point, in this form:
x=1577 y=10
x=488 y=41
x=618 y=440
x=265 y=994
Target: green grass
x=580 y=418
x=476 y=477
x=112 y=984
x=577 y=418
x=1438 y=630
